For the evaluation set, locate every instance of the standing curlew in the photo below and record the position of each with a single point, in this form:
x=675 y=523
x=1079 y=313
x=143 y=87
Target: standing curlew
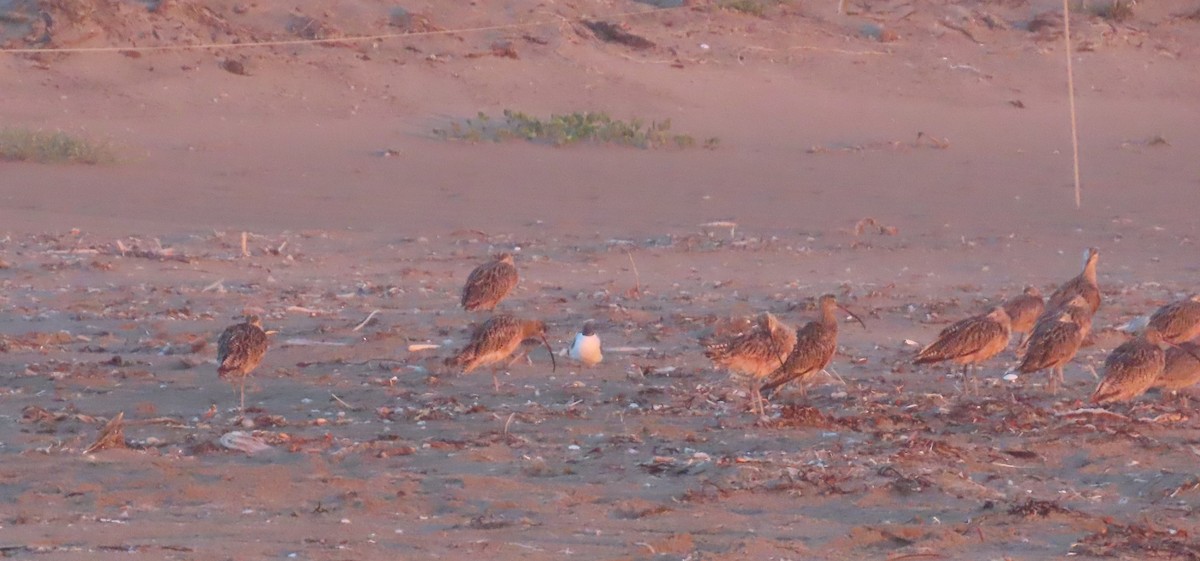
x=496 y=340
x=969 y=341
x=1082 y=285
x=1131 y=368
x=1023 y=311
x=816 y=344
x=1178 y=321
x=586 y=347
x=489 y=283
x=754 y=354
x=1181 y=369
x=240 y=349
x=1054 y=342
x=1081 y=315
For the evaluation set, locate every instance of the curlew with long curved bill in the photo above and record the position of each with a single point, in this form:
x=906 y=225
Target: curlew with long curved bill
x=969 y=341
x=489 y=283
x=495 y=341
x=1178 y=321
x=1083 y=284
x=754 y=354
x=1024 y=310
x=240 y=349
x=816 y=343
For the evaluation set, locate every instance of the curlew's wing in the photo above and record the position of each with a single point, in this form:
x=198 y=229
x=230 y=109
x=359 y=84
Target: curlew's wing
x=754 y=353
x=488 y=343
x=1181 y=369
x=1077 y=286
x=488 y=284
x=815 y=347
x=1024 y=311
x=1177 y=321
x=1129 y=371
x=961 y=339
x=1051 y=343
x=240 y=349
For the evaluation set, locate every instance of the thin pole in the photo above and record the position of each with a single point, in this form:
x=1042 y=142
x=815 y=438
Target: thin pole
x=1071 y=99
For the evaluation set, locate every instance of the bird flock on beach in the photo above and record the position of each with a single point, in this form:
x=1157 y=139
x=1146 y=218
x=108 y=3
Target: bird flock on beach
x=770 y=354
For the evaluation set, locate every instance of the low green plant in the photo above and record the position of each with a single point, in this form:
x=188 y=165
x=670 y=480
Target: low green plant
x=28 y=145
x=750 y=7
x=571 y=128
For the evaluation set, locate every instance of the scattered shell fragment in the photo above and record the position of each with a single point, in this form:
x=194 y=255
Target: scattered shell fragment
x=243 y=441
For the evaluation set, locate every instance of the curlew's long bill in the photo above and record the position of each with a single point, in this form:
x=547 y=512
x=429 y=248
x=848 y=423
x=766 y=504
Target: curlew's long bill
x=240 y=349
x=495 y=341
x=816 y=343
x=754 y=354
x=489 y=283
x=969 y=341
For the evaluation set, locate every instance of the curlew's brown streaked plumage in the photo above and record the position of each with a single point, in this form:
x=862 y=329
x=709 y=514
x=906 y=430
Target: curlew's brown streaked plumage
x=1024 y=310
x=1083 y=284
x=1054 y=342
x=816 y=343
x=1181 y=368
x=1131 y=368
x=489 y=283
x=969 y=341
x=755 y=353
x=1178 y=321
x=495 y=340
x=240 y=349
x=1081 y=315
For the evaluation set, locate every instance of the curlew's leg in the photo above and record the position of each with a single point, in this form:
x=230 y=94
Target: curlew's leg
x=1054 y=380
x=243 y=395
x=757 y=399
x=753 y=396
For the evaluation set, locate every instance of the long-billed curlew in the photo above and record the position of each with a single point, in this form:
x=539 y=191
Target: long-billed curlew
x=1083 y=284
x=1024 y=310
x=489 y=283
x=1081 y=314
x=495 y=340
x=1178 y=321
x=754 y=354
x=1131 y=368
x=969 y=341
x=240 y=349
x=816 y=344
x=1054 y=342
x=586 y=347
x=1181 y=368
